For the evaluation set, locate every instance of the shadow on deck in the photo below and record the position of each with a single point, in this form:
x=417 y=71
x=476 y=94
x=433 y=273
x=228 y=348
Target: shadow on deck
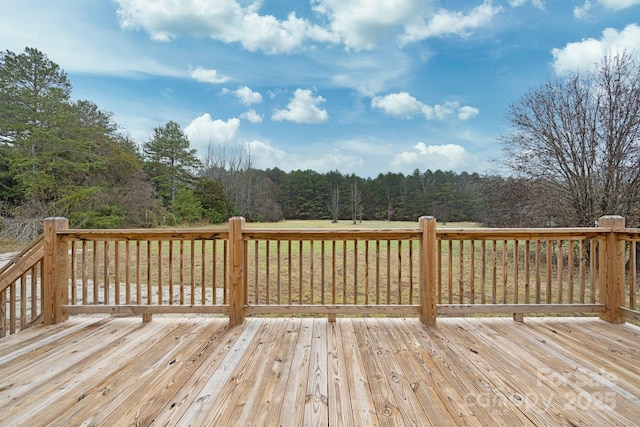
x=293 y=371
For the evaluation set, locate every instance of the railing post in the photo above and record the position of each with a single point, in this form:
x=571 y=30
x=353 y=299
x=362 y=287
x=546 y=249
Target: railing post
x=428 y=267
x=612 y=259
x=236 y=271
x=55 y=285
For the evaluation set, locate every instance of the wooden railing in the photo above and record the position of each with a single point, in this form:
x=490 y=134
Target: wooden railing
x=21 y=289
x=243 y=271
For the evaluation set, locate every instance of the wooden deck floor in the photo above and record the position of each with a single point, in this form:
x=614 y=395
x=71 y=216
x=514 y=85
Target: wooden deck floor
x=360 y=372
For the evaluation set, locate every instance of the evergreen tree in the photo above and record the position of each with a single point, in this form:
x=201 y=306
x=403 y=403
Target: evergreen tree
x=170 y=161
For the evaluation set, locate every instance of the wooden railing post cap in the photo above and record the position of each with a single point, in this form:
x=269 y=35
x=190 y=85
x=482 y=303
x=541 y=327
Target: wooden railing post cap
x=57 y=219
x=615 y=221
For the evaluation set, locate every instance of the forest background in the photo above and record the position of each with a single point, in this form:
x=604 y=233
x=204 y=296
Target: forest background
x=60 y=157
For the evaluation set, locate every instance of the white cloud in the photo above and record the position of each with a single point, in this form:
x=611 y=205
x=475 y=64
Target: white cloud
x=223 y=20
x=69 y=33
x=517 y=3
x=251 y=116
x=303 y=108
x=398 y=104
x=268 y=156
x=333 y=160
x=446 y=22
x=404 y=105
x=580 y=56
x=265 y=155
x=466 y=112
x=619 y=4
x=444 y=157
x=361 y=24
x=582 y=12
x=245 y=95
x=208 y=76
x=203 y=131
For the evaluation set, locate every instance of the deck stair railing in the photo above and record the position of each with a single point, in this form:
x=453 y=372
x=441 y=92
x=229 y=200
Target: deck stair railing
x=243 y=271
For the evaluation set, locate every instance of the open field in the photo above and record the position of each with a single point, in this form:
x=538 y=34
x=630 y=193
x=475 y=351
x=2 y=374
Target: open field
x=9 y=246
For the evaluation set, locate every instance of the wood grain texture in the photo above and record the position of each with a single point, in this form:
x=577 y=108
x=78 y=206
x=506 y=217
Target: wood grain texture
x=304 y=371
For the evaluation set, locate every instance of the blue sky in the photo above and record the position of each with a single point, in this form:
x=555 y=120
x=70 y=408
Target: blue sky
x=359 y=86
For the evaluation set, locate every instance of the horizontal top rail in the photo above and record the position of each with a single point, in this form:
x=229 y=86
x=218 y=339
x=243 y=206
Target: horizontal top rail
x=320 y=234
x=22 y=262
x=142 y=234
x=582 y=233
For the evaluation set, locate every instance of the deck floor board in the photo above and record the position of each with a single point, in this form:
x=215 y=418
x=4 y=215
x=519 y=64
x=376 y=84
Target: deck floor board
x=306 y=371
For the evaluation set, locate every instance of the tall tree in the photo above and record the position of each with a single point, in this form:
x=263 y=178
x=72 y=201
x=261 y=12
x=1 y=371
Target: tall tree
x=170 y=161
x=34 y=97
x=580 y=137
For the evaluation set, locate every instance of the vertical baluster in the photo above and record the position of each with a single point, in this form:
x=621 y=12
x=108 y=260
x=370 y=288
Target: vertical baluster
x=388 y=271
x=461 y=271
x=560 y=268
x=450 y=270
x=494 y=267
x=527 y=271
x=73 y=273
x=23 y=301
x=149 y=294
x=538 y=271
x=311 y=272
x=399 y=268
x=84 y=272
x=549 y=269
x=344 y=272
x=170 y=273
x=322 y=271
x=127 y=271
x=267 y=280
x=333 y=272
x=483 y=273
x=182 y=268
x=12 y=308
x=225 y=275
x=290 y=276
x=300 y=274
x=366 y=272
x=377 y=271
x=3 y=313
x=570 y=262
x=256 y=272
x=138 y=274
x=95 y=272
x=160 y=281
x=192 y=271
x=355 y=272
x=203 y=273
x=583 y=272
x=116 y=270
x=632 y=275
x=516 y=268
x=105 y=271
x=34 y=292
x=279 y=277
x=505 y=270
x=410 y=248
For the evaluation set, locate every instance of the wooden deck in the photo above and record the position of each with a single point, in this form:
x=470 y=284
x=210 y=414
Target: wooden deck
x=303 y=371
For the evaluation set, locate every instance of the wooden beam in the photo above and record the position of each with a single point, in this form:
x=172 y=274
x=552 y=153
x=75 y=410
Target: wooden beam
x=55 y=275
x=428 y=257
x=236 y=271
x=612 y=260
x=470 y=309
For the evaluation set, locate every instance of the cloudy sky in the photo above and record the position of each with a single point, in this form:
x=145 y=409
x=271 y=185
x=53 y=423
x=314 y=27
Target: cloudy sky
x=359 y=86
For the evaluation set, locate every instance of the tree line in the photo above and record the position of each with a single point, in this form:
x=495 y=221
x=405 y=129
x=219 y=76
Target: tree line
x=573 y=155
